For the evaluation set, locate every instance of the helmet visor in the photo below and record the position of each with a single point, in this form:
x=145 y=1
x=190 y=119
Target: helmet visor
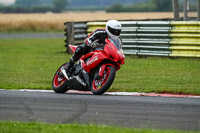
x=115 y=32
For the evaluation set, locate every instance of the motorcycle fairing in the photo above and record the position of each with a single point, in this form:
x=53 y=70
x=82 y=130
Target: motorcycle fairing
x=72 y=48
x=80 y=79
x=97 y=57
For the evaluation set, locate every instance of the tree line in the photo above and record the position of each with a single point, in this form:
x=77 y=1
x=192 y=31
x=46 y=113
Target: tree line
x=149 y=6
x=35 y=6
x=42 y=6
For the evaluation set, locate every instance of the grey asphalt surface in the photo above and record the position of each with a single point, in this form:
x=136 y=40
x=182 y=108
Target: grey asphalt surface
x=30 y=35
x=123 y=111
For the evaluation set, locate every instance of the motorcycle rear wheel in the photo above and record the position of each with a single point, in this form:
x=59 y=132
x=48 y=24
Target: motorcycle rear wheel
x=101 y=85
x=59 y=86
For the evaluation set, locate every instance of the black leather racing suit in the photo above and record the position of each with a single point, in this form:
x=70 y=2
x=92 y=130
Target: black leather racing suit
x=95 y=39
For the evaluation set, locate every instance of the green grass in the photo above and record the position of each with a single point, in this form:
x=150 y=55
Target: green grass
x=31 y=63
x=33 y=127
x=159 y=75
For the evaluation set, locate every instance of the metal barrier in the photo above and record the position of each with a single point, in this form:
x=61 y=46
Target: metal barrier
x=185 y=39
x=145 y=38
x=75 y=32
x=159 y=38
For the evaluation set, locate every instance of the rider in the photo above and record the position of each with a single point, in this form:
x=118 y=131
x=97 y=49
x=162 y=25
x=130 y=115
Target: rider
x=95 y=40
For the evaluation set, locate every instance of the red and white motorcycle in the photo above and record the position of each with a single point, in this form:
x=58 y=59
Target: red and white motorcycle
x=94 y=71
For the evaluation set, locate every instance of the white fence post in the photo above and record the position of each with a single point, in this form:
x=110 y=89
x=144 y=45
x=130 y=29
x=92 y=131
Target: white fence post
x=176 y=10
x=198 y=10
x=185 y=11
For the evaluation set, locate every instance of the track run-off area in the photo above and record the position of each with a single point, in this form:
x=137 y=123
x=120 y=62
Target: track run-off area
x=115 y=109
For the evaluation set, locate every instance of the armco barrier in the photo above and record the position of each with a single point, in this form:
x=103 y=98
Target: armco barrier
x=185 y=39
x=159 y=38
x=75 y=32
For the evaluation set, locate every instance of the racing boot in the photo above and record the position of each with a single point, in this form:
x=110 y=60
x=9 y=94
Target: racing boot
x=69 y=65
x=65 y=70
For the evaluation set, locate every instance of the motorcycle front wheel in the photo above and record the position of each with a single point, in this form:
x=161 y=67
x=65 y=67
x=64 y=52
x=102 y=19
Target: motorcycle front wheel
x=100 y=86
x=59 y=84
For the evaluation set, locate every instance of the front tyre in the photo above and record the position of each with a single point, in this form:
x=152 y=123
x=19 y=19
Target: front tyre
x=59 y=85
x=101 y=85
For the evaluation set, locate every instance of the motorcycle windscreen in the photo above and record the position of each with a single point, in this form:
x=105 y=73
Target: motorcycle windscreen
x=116 y=42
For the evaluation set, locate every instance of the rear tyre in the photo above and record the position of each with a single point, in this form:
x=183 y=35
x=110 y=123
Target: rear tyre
x=101 y=85
x=58 y=85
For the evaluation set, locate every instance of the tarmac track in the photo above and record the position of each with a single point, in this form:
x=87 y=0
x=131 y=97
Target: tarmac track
x=31 y=35
x=123 y=111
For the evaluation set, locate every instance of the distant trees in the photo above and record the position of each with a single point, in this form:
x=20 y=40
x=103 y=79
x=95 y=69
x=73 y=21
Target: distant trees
x=100 y=3
x=162 y=5
x=33 y=3
x=23 y=6
x=33 y=6
x=151 y=5
x=60 y=4
x=40 y=6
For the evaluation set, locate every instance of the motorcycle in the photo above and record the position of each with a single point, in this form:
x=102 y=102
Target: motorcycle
x=94 y=71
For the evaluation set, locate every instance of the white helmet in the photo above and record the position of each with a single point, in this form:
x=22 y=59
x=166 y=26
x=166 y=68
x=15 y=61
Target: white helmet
x=113 y=28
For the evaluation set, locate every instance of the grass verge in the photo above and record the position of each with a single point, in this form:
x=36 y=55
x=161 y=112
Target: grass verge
x=33 y=127
x=159 y=75
x=31 y=63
